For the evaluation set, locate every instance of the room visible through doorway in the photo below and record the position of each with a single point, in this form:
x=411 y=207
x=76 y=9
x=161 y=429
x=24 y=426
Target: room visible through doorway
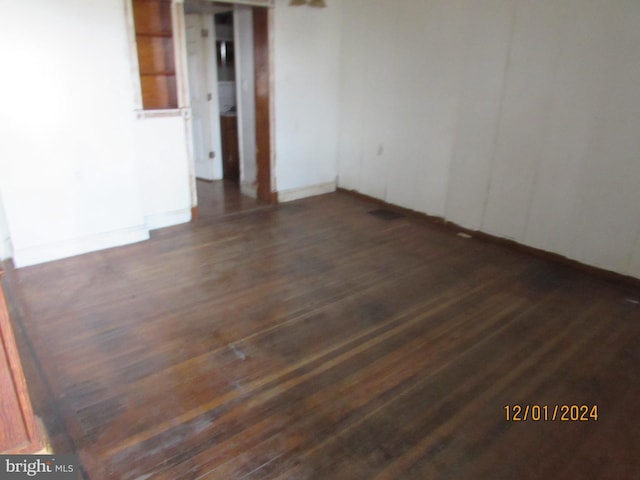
x=228 y=64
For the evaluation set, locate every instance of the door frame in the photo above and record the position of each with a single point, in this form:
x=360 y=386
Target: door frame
x=266 y=157
x=263 y=77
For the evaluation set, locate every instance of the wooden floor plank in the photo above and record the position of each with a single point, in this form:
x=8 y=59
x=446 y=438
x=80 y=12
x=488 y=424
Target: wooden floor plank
x=314 y=340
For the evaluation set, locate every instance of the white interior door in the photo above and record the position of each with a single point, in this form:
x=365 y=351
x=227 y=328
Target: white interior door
x=205 y=117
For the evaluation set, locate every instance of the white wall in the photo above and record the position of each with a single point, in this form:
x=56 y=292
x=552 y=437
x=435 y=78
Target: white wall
x=68 y=170
x=6 y=250
x=70 y=174
x=513 y=117
x=307 y=51
x=401 y=67
x=161 y=147
x=81 y=170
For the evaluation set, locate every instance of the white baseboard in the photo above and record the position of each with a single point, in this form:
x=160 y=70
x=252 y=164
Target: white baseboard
x=23 y=257
x=6 y=250
x=310 y=191
x=249 y=189
x=167 y=219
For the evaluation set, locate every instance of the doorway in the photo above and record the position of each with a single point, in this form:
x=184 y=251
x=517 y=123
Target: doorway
x=228 y=72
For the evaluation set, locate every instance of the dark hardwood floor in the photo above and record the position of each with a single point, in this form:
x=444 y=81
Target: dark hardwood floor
x=313 y=340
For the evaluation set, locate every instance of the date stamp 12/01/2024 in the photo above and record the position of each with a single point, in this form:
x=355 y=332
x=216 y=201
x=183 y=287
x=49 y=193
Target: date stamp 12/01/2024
x=551 y=413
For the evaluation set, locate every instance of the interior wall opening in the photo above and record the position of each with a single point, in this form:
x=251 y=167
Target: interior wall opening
x=230 y=129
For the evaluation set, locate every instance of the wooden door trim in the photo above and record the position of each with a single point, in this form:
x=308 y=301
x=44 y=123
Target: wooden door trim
x=263 y=88
x=266 y=190
x=14 y=383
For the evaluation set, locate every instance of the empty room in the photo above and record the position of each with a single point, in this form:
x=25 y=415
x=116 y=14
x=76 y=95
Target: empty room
x=318 y=239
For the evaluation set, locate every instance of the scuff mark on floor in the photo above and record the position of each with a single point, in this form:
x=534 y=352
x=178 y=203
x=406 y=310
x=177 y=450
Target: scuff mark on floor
x=239 y=353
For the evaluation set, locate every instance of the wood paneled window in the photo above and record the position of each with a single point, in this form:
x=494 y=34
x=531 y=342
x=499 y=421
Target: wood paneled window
x=154 y=39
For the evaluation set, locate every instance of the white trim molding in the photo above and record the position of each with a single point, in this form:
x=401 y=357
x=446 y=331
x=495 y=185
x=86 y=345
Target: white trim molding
x=249 y=189
x=309 y=191
x=23 y=257
x=167 y=219
x=6 y=249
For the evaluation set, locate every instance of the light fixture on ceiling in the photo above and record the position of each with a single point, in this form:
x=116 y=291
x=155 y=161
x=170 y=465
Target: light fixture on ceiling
x=297 y=3
x=317 y=3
